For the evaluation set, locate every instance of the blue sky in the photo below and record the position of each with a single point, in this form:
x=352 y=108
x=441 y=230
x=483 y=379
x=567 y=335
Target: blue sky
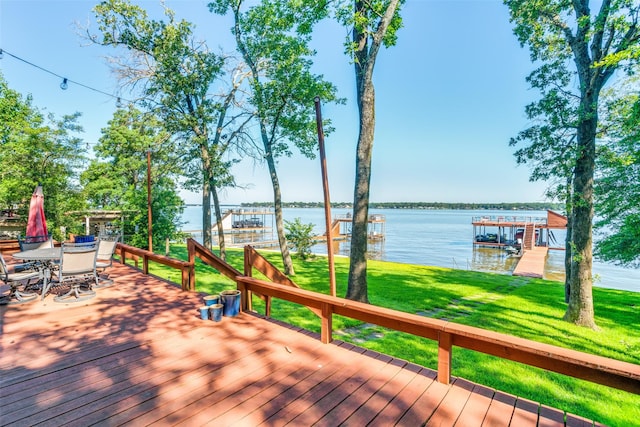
x=449 y=96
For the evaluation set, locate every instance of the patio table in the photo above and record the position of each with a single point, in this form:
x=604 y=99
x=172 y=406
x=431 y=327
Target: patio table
x=44 y=260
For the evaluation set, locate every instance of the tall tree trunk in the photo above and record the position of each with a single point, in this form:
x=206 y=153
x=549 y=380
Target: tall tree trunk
x=268 y=152
x=357 y=286
x=206 y=215
x=568 y=240
x=365 y=55
x=206 y=197
x=277 y=204
x=580 y=309
x=567 y=259
x=216 y=206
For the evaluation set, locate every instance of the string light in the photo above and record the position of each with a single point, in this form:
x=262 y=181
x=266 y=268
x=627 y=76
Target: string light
x=65 y=81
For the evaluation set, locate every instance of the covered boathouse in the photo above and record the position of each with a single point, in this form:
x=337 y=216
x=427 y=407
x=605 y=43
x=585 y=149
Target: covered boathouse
x=527 y=237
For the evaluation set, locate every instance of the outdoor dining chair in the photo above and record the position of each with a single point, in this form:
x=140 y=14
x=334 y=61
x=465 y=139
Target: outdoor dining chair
x=28 y=243
x=16 y=280
x=106 y=248
x=77 y=267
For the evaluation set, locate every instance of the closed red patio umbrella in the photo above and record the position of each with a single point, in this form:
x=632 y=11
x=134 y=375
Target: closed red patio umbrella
x=37 y=224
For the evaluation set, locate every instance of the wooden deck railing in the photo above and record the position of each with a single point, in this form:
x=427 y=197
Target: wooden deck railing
x=596 y=369
x=9 y=246
x=195 y=249
x=187 y=269
x=253 y=260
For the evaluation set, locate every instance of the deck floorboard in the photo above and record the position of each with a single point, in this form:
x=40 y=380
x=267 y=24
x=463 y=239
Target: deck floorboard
x=139 y=354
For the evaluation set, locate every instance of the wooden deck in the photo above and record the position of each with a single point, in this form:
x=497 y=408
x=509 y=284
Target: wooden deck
x=532 y=262
x=139 y=354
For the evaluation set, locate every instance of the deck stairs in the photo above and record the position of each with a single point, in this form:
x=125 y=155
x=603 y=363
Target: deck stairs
x=335 y=228
x=528 y=240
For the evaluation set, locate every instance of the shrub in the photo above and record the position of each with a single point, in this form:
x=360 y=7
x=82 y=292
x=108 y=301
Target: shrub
x=300 y=237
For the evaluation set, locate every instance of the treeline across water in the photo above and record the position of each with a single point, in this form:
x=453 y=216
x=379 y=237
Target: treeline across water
x=528 y=206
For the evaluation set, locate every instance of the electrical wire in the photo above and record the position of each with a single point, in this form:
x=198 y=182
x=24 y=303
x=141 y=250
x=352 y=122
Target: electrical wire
x=65 y=80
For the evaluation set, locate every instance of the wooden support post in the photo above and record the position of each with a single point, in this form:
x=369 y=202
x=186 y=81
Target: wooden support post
x=249 y=301
x=326 y=331
x=149 y=215
x=248 y=268
x=191 y=253
x=267 y=305
x=186 y=279
x=248 y=261
x=444 y=357
x=145 y=264
x=243 y=296
x=327 y=198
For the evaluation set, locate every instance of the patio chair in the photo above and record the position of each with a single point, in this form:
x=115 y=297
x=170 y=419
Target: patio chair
x=28 y=243
x=93 y=244
x=15 y=280
x=77 y=266
x=106 y=248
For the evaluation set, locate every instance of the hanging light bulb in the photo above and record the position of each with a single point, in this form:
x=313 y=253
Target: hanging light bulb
x=119 y=103
x=1 y=54
x=64 y=85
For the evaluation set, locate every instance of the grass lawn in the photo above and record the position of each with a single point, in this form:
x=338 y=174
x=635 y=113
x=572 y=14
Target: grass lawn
x=527 y=308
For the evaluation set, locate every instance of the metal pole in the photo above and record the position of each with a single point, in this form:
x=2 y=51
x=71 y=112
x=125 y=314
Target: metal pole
x=327 y=199
x=149 y=217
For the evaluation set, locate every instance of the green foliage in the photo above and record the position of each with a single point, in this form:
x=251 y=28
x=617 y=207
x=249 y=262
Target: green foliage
x=366 y=20
x=300 y=236
x=273 y=37
x=573 y=42
x=546 y=28
x=37 y=149
x=176 y=73
x=618 y=184
x=117 y=178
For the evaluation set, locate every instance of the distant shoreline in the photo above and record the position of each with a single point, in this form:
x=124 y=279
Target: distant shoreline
x=521 y=206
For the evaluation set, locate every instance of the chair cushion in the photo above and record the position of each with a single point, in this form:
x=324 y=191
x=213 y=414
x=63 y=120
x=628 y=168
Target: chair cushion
x=24 y=275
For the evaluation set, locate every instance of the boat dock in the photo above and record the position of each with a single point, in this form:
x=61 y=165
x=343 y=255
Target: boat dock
x=529 y=238
x=341 y=227
x=532 y=263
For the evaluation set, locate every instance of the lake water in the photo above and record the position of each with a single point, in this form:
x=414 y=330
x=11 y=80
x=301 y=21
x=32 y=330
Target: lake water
x=440 y=238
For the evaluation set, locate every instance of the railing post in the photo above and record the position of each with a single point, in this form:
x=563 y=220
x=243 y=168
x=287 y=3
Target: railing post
x=191 y=252
x=145 y=264
x=444 y=357
x=326 y=330
x=267 y=305
x=186 y=278
x=243 y=295
x=122 y=254
x=248 y=263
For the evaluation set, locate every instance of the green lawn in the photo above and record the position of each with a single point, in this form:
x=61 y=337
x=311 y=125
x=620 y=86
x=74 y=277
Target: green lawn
x=528 y=308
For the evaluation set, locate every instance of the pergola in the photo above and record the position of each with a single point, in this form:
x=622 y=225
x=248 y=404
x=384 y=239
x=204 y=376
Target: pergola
x=99 y=221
